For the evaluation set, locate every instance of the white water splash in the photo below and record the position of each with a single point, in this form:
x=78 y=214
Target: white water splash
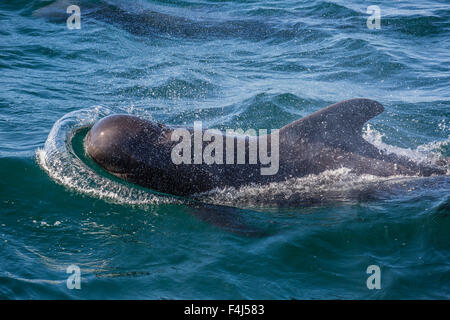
x=427 y=154
x=331 y=185
x=61 y=163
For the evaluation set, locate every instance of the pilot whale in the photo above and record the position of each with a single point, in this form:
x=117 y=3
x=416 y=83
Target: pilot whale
x=139 y=151
x=143 y=21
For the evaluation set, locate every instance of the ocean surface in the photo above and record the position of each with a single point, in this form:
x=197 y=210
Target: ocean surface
x=231 y=64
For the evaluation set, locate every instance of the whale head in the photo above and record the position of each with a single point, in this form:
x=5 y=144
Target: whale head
x=117 y=143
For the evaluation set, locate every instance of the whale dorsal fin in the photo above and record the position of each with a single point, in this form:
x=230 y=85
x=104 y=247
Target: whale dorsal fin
x=338 y=125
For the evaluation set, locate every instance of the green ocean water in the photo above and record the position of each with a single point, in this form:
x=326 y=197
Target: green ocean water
x=230 y=64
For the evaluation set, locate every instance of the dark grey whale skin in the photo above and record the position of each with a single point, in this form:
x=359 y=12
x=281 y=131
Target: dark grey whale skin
x=151 y=22
x=139 y=151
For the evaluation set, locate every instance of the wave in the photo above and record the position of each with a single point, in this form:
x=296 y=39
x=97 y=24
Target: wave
x=173 y=88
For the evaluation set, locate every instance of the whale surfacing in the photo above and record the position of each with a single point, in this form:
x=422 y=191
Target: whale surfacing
x=139 y=151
